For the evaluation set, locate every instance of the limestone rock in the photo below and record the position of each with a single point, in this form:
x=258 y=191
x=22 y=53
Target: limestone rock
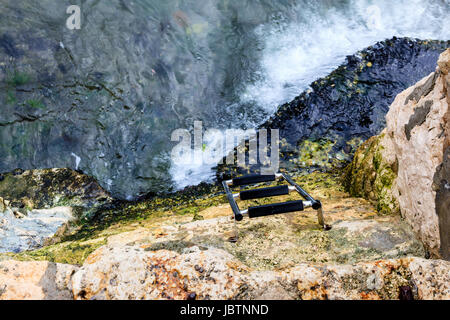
x=372 y=174
x=39 y=280
x=414 y=150
x=137 y=272
x=283 y=241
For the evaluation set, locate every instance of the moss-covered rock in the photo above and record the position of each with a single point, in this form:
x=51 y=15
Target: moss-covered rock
x=371 y=176
x=48 y=188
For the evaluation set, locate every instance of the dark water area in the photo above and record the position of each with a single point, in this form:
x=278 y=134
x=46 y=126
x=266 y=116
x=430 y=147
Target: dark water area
x=105 y=99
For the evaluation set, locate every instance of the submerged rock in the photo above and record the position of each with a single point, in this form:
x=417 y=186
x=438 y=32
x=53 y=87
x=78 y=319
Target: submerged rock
x=323 y=126
x=406 y=168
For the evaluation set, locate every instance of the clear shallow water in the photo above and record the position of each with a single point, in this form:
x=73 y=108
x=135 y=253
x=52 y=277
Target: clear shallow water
x=283 y=46
x=165 y=64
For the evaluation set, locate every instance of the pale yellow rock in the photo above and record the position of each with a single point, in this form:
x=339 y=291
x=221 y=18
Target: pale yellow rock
x=37 y=280
x=444 y=62
x=135 y=272
x=415 y=135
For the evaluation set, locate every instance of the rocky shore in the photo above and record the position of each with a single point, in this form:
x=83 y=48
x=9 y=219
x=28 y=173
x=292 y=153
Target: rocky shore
x=323 y=126
x=388 y=211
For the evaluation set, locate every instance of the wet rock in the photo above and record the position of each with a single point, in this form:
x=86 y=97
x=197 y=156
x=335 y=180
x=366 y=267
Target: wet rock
x=39 y=280
x=372 y=174
x=406 y=168
x=48 y=188
x=320 y=127
x=20 y=232
x=43 y=206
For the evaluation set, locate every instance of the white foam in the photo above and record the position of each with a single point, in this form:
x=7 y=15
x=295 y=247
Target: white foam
x=77 y=160
x=200 y=169
x=297 y=53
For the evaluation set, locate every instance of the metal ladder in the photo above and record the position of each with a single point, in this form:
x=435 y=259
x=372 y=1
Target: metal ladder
x=270 y=209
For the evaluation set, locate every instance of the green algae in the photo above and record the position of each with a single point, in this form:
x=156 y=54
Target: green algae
x=17 y=78
x=36 y=104
x=315 y=152
x=370 y=176
x=71 y=252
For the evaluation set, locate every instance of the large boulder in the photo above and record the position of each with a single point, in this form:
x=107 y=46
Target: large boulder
x=406 y=168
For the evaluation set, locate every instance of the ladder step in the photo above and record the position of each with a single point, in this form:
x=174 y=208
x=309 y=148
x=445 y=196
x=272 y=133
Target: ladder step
x=252 y=179
x=264 y=192
x=276 y=208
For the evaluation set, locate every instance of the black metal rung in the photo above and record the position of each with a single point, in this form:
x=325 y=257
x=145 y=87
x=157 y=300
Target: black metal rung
x=252 y=179
x=270 y=209
x=264 y=192
x=275 y=208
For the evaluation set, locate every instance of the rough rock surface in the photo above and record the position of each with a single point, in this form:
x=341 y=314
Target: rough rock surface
x=188 y=256
x=138 y=272
x=20 y=232
x=372 y=174
x=408 y=163
x=37 y=280
x=284 y=241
